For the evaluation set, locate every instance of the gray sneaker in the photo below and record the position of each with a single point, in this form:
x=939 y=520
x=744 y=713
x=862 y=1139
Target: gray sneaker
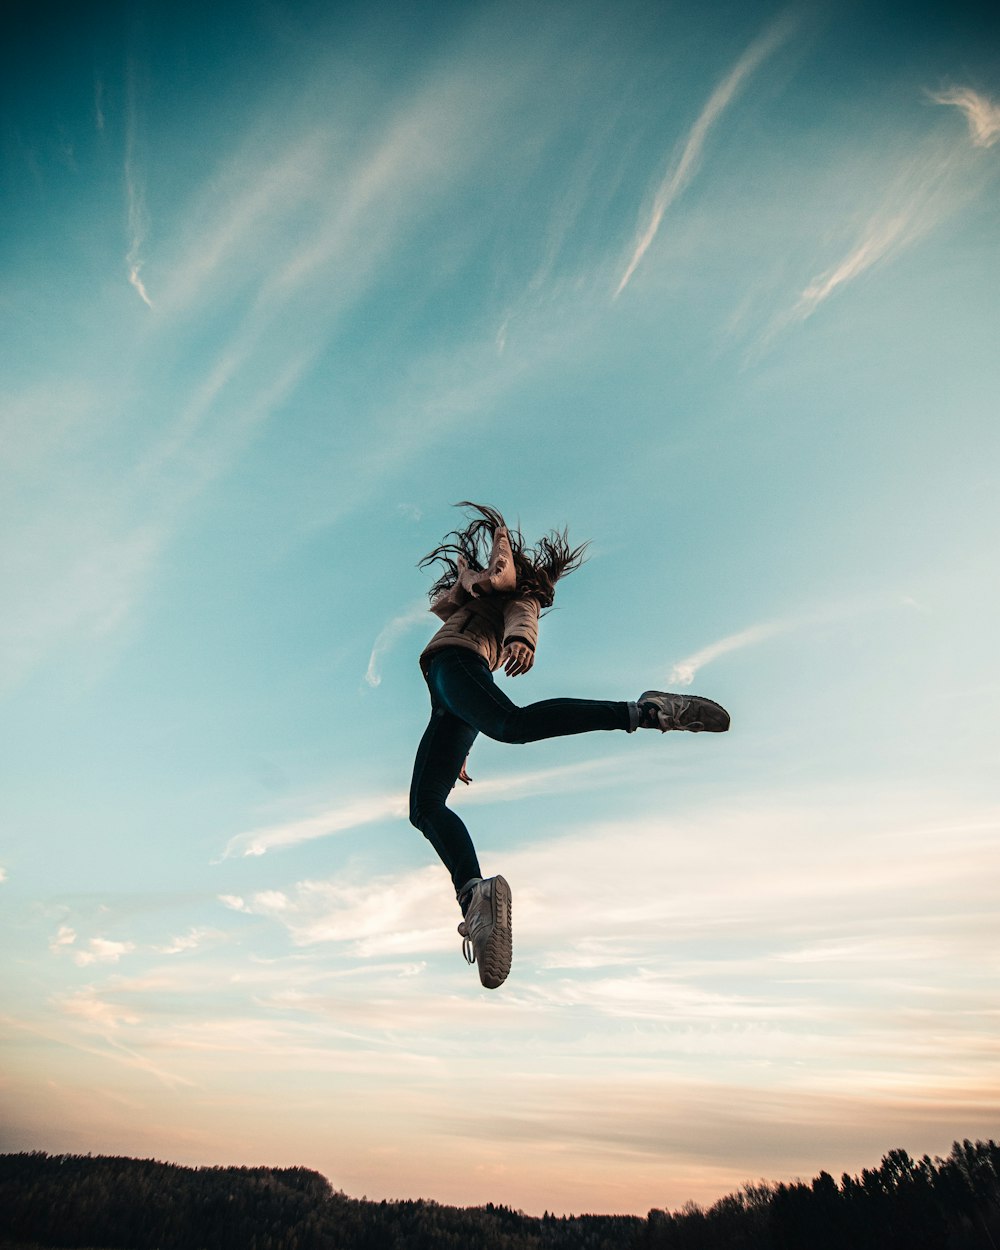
x=485 y=930
x=662 y=711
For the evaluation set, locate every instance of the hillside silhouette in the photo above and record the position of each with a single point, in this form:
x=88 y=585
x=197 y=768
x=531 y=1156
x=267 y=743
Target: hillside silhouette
x=107 y=1203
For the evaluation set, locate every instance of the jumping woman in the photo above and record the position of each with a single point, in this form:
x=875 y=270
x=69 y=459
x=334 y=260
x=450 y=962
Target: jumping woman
x=489 y=596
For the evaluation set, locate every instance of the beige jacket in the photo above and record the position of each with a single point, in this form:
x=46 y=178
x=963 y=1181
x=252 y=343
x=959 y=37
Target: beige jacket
x=486 y=625
x=479 y=611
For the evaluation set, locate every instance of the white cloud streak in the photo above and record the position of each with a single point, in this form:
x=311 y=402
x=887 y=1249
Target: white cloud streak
x=683 y=672
x=777 y=899
x=247 y=203
x=764 y=968
x=86 y=1005
x=687 y=162
x=351 y=815
x=929 y=186
x=981 y=113
x=101 y=553
x=317 y=218
x=384 y=917
x=390 y=635
x=137 y=217
x=98 y=104
x=368 y=810
x=884 y=235
x=106 y=1018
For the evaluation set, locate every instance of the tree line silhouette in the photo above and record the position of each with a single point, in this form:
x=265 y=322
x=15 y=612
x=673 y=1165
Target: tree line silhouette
x=49 y=1201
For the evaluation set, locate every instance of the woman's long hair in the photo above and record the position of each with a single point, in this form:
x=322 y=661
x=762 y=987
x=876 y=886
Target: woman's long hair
x=538 y=568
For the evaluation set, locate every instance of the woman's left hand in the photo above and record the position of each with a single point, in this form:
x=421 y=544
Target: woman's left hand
x=516 y=658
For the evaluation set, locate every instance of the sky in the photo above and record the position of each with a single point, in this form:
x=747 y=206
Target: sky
x=715 y=286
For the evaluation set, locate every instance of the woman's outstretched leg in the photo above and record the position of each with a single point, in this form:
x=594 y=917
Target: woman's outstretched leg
x=461 y=681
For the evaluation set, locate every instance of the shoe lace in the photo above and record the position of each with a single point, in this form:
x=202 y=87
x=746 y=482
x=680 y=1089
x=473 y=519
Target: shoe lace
x=670 y=711
x=675 y=710
x=468 y=950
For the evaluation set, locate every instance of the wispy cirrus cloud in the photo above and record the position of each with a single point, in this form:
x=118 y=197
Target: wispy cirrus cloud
x=364 y=811
x=136 y=214
x=88 y=1006
x=386 y=916
x=102 y=554
x=930 y=184
x=111 y=1020
x=99 y=104
x=883 y=235
x=780 y=903
x=368 y=810
x=321 y=216
x=748 y=976
x=250 y=199
x=683 y=671
x=389 y=636
x=686 y=164
x=982 y=113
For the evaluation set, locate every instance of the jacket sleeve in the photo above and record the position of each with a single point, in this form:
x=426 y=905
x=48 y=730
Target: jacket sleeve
x=520 y=619
x=449 y=601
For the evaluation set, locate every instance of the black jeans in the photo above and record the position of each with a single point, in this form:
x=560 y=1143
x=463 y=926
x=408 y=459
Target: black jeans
x=465 y=701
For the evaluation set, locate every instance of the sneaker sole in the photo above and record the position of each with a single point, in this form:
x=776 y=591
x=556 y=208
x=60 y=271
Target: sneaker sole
x=494 y=963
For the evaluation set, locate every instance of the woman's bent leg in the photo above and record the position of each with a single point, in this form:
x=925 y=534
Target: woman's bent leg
x=440 y=756
x=462 y=682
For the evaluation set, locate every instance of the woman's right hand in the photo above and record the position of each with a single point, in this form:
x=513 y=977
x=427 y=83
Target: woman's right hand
x=516 y=658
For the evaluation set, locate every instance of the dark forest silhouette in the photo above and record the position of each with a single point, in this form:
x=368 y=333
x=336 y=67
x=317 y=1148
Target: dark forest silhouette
x=139 y=1204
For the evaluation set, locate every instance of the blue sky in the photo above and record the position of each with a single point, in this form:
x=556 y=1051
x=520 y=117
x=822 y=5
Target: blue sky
x=717 y=290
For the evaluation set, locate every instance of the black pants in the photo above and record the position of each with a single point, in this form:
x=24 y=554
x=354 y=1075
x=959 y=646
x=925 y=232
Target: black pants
x=465 y=701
